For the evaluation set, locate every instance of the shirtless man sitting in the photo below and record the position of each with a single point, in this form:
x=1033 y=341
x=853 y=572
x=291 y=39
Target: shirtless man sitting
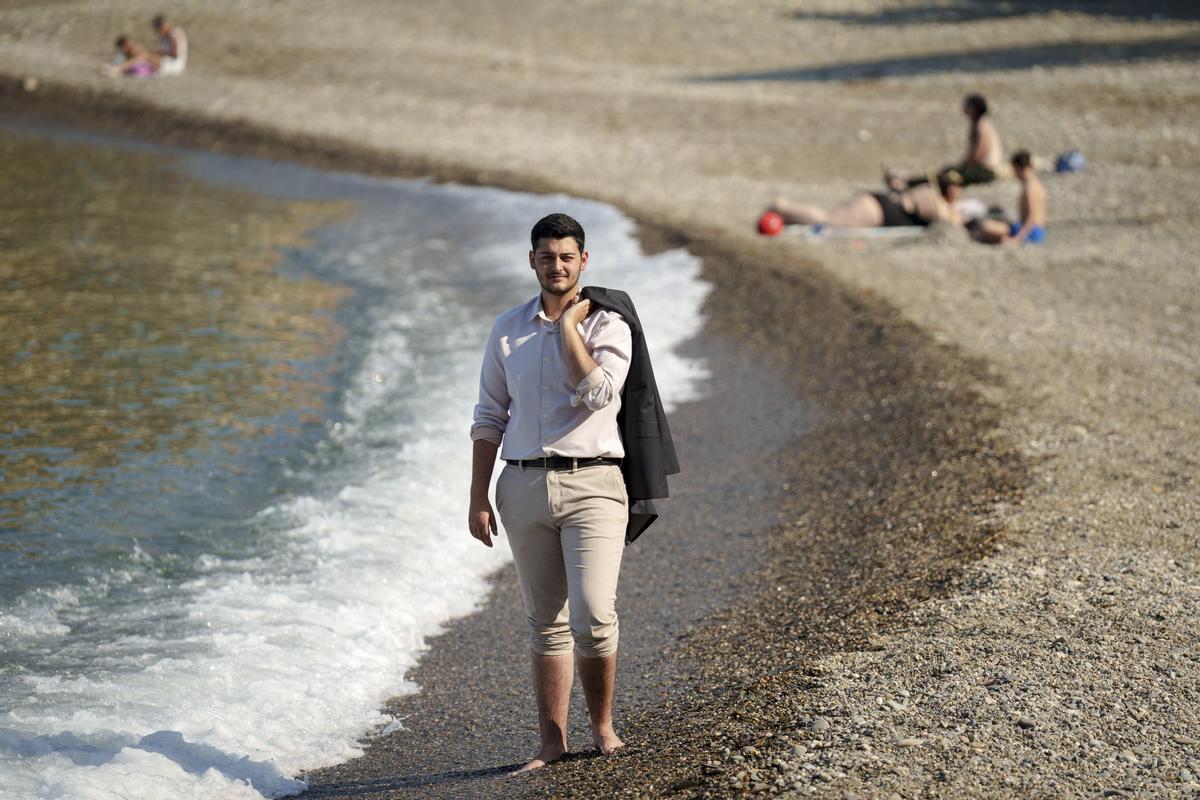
x=1031 y=206
x=984 y=158
x=919 y=205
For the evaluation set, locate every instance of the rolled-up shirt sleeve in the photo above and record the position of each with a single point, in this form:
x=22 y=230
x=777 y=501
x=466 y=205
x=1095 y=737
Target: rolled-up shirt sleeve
x=492 y=411
x=610 y=344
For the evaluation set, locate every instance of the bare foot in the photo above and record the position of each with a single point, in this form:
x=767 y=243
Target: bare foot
x=606 y=740
x=545 y=756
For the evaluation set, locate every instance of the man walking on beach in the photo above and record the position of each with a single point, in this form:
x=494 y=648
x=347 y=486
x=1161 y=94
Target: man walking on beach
x=550 y=391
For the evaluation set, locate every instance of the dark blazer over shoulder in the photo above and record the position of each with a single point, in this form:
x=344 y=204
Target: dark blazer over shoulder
x=649 y=451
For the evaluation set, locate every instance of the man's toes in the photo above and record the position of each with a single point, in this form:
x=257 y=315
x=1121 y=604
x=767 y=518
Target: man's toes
x=530 y=766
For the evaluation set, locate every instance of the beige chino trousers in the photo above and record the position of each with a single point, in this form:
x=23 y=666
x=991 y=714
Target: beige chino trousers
x=566 y=529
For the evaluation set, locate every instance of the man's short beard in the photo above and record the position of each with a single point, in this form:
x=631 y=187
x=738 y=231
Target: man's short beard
x=560 y=292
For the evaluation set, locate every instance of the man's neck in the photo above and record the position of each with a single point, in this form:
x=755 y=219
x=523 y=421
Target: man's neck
x=554 y=304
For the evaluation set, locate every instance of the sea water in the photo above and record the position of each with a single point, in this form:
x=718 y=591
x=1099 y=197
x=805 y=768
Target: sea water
x=234 y=457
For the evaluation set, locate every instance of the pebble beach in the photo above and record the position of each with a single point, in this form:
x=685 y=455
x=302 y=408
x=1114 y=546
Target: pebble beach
x=969 y=568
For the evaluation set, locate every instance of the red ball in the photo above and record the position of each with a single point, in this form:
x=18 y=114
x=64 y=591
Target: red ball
x=770 y=224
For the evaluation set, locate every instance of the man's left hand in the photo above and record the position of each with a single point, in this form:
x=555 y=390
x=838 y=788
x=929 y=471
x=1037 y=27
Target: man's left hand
x=576 y=312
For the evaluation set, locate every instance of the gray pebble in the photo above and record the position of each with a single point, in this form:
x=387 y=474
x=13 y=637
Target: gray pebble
x=819 y=725
x=1026 y=723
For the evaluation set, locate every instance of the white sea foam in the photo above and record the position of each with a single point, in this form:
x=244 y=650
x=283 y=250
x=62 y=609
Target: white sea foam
x=36 y=615
x=280 y=662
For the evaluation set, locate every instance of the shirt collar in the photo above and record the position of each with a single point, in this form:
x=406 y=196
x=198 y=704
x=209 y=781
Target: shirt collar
x=533 y=309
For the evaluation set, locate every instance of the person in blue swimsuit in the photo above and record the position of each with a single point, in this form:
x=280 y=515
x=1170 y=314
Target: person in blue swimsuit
x=1031 y=205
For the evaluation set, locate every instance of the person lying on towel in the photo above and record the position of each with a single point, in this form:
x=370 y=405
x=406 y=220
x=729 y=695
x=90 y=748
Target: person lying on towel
x=132 y=60
x=916 y=206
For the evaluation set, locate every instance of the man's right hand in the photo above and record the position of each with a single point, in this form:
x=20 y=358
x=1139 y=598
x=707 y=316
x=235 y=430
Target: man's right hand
x=482 y=521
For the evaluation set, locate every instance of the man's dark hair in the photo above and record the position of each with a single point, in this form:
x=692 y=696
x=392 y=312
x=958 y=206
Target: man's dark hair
x=158 y=21
x=1022 y=160
x=556 y=226
x=947 y=178
x=121 y=40
x=976 y=103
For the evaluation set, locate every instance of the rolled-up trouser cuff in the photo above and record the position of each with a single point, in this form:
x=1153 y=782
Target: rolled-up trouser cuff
x=559 y=641
x=552 y=640
x=601 y=646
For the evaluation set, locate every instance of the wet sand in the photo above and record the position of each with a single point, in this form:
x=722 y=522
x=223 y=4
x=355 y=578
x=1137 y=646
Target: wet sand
x=915 y=406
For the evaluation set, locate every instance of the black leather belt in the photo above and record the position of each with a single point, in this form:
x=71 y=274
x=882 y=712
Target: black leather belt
x=560 y=462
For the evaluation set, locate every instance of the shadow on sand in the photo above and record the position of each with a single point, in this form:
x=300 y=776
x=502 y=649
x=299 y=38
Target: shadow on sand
x=453 y=783
x=370 y=786
x=979 y=10
x=1067 y=54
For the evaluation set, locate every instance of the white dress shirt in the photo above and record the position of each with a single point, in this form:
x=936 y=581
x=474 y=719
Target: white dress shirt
x=527 y=398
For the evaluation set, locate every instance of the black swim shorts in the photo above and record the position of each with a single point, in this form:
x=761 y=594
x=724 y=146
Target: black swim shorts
x=894 y=215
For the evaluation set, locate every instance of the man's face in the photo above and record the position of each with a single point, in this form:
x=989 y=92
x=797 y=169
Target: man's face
x=558 y=263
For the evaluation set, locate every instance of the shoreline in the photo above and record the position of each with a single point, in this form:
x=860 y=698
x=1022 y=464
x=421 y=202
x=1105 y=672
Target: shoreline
x=1061 y=664
x=102 y=112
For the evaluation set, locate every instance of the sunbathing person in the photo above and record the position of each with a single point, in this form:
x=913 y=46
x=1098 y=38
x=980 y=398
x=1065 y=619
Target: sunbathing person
x=1031 y=206
x=984 y=158
x=919 y=205
x=136 y=61
x=172 y=46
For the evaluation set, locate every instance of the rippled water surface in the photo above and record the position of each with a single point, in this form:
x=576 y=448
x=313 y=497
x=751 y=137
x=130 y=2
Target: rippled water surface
x=149 y=339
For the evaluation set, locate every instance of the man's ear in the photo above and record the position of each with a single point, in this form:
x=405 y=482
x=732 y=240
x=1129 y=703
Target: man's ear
x=583 y=260
x=532 y=266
